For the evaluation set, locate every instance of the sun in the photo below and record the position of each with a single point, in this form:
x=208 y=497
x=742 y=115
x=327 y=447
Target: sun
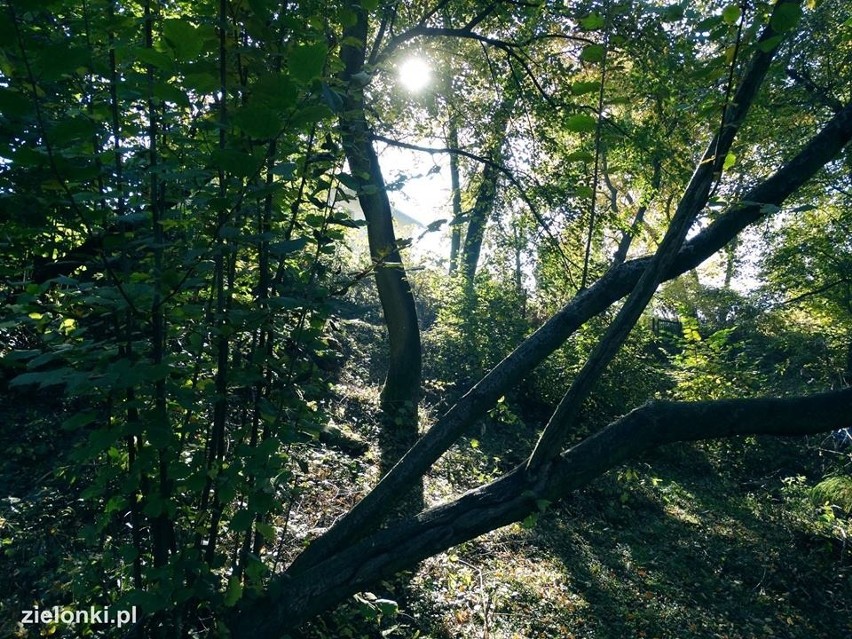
x=415 y=74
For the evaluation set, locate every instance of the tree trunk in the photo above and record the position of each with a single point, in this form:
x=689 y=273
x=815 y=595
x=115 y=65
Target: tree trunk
x=615 y=284
x=486 y=195
x=401 y=390
x=455 y=224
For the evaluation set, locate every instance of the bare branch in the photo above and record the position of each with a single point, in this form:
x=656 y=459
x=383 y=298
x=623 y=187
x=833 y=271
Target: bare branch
x=498 y=167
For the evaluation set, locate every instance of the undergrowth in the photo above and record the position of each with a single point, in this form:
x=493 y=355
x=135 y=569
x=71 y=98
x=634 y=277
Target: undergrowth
x=733 y=539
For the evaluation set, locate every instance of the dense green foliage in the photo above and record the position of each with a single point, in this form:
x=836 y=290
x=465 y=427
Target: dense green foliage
x=166 y=192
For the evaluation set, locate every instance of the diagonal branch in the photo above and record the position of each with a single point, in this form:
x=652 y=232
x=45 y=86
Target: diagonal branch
x=614 y=285
x=691 y=204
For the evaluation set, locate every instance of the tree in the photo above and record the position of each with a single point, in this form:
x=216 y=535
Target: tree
x=401 y=391
x=190 y=325
x=549 y=471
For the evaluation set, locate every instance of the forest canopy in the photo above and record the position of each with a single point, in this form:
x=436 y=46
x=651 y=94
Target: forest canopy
x=646 y=239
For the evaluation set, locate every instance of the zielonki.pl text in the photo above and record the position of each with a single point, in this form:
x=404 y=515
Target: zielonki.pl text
x=68 y=616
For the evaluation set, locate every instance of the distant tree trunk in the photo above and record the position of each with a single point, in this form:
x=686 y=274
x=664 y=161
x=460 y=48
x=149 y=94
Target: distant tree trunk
x=730 y=262
x=455 y=224
x=638 y=220
x=486 y=195
x=478 y=217
x=401 y=390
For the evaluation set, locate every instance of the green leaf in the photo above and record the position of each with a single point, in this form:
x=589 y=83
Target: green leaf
x=234 y=591
x=770 y=43
x=581 y=88
x=202 y=82
x=241 y=521
x=68 y=130
x=592 y=53
x=257 y=121
x=731 y=14
x=348 y=18
x=276 y=91
x=44 y=379
x=579 y=156
x=786 y=16
x=266 y=530
x=57 y=60
x=315 y=221
x=387 y=607
x=672 y=13
x=288 y=246
x=14 y=103
x=79 y=420
x=307 y=61
x=183 y=38
x=128 y=552
x=310 y=115
x=592 y=22
x=332 y=98
x=154 y=58
x=170 y=93
x=284 y=170
x=237 y=162
x=581 y=123
x=349 y=181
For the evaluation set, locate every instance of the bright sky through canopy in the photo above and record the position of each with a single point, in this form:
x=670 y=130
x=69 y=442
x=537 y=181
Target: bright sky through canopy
x=415 y=74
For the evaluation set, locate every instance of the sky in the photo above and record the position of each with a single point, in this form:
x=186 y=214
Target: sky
x=423 y=196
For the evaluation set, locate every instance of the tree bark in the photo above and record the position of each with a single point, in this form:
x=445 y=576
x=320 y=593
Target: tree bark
x=486 y=194
x=353 y=555
x=401 y=390
x=453 y=143
x=455 y=185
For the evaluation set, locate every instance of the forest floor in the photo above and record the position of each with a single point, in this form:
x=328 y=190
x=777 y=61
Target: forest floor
x=711 y=540
x=707 y=540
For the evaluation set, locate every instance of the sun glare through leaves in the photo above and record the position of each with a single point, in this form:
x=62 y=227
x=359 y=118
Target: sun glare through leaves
x=415 y=74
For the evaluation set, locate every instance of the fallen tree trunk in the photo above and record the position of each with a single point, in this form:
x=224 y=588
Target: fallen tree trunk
x=290 y=601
